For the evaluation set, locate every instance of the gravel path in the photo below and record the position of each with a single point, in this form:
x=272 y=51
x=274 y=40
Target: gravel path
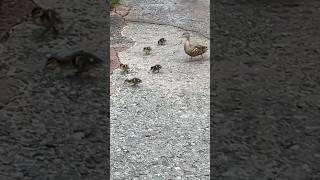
x=54 y=128
x=265 y=118
x=265 y=123
x=191 y=15
x=160 y=129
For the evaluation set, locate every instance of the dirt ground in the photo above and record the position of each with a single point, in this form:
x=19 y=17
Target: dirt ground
x=265 y=90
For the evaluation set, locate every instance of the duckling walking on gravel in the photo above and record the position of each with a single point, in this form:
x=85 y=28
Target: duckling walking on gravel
x=78 y=62
x=124 y=67
x=133 y=81
x=46 y=18
x=147 y=50
x=156 y=68
x=162 y=42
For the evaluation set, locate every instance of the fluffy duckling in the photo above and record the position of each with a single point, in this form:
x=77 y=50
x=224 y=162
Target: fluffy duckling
x=124 y=67
x=162 y=42
x=156 y=68
x=46 y=18
x=79 y=62
x=147 y=50
x=133 y=81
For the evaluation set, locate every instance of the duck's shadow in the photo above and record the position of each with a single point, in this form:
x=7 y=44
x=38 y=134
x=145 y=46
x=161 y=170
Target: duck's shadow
x=196 y=60
x=155 y=73
x=135 y=88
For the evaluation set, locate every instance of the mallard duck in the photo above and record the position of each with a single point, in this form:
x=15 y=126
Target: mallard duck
x=156 y=68
x=193 y=49
x=133 y=81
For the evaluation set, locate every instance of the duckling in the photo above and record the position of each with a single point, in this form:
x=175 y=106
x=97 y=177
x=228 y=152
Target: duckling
x=124 y=67
x=193 y=49
x=162 y=42
x=46 y=18
x=79 y=62
x=133 y=81
x=147 y=50
x=156 y=68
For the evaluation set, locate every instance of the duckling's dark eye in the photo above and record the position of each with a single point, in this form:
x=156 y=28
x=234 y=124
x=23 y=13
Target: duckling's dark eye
x=36 y=11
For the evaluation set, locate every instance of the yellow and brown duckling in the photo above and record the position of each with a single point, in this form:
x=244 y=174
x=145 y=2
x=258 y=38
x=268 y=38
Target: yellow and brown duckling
x=46 y=18
x=193 y=49
x=79 y=62
x=124 y=67
x=162 y=42
x=133 y=81
x=156 y=68
x=147 y=50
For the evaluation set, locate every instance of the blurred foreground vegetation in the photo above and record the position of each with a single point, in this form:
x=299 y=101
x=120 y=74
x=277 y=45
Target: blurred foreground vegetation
x=114 y=3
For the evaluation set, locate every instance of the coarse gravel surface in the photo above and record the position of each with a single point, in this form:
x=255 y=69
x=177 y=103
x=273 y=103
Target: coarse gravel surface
x=265 y=90
x=160 y=129
x=55 y=128
x=191 y=15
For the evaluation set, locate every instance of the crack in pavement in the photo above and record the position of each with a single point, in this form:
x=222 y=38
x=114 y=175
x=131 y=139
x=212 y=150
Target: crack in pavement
x=121 y=44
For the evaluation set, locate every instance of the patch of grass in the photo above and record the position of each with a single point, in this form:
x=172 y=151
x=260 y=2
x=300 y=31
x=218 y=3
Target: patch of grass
x=114 y=3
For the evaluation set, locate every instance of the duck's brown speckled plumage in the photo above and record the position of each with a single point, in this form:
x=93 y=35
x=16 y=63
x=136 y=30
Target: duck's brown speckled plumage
x=193 y=49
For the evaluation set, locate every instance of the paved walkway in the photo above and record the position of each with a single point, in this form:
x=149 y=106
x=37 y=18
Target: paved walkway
x=160 y=129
